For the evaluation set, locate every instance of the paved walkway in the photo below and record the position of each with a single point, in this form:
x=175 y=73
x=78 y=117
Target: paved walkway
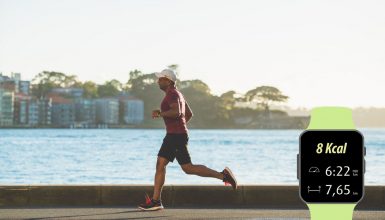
x=193 y=213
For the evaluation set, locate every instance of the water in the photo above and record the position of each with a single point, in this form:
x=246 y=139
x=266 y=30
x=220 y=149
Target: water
x=128 y=156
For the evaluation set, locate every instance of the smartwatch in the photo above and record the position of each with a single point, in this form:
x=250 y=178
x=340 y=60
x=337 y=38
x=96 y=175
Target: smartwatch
x=330 y=164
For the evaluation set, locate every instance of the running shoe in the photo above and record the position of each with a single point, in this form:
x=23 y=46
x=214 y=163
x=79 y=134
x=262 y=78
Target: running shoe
x=151 y=204
x=229 y=178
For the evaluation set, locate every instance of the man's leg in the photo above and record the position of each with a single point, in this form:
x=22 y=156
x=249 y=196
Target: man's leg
x=201 y=170
x=226 y=175
x=160 y=175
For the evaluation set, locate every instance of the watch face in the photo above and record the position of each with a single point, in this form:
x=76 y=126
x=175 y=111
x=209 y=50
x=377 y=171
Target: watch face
x=331 y=166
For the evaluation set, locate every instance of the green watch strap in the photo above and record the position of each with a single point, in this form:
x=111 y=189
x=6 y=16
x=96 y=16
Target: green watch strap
x=331 y=118
x=331 y=211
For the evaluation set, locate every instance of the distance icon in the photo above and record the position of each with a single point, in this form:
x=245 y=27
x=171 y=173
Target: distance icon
x=313 y=190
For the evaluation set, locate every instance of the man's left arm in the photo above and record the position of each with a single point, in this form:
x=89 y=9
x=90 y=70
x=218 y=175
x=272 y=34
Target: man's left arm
x=189 y=112
x=174 y=111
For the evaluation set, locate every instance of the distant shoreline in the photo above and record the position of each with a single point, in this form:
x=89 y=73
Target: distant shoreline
x=281 y=123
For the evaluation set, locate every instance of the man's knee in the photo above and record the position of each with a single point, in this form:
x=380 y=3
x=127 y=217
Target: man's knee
x=188 y=168
x=161 y=164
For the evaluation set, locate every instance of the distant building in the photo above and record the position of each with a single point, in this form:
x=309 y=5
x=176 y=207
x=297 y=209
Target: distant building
x=9 y=85
x=6 y=107
x=14 y=83
x=24 y=87
x=63 y=111
x=16 y=77
x=21 y=103
x=107 y=111
x=33 y=112
x=44 y=110
x=2 y=78
x=85 y=111
x=132 y=111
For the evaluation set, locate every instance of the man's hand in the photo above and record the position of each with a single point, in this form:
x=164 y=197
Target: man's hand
x=156 y=113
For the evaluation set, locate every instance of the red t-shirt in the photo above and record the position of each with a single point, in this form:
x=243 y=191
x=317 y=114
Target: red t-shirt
x=174 y=125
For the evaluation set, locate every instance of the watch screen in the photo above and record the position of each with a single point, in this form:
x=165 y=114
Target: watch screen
x=331 y=166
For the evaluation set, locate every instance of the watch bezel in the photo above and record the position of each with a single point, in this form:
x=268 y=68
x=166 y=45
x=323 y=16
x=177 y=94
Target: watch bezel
x=363 y=164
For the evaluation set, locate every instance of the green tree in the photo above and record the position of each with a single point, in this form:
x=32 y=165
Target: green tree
x=195 y=85
x=71 y=81
x=47 y=80
x=209 y=110
x=144 y=87
x=265 y=96
x=90 y=89
x=133 y=74
x=229 y=99
x=110 y=88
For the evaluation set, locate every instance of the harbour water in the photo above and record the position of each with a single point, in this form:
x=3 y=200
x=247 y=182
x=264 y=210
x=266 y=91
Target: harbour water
x=128 y=156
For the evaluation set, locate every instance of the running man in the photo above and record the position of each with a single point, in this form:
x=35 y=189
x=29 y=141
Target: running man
x=176 y=113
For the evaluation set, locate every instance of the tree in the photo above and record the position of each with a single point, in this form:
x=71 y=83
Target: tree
x=196 y=85
x=209 y=110
x=71 y=81
x=90 y=89
x=144 y=87
x=47 y=80
x=265 y=96
x=229 y=99
x=133 y=74
x=110 y=88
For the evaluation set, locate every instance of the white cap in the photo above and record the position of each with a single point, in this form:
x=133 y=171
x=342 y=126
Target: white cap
x=169 y=74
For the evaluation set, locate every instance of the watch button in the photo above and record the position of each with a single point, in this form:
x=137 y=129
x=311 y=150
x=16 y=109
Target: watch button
x=364 y=166
x=364 y=151
x=297 y=166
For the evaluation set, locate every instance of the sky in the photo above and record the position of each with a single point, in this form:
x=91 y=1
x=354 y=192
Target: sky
x=316 y=52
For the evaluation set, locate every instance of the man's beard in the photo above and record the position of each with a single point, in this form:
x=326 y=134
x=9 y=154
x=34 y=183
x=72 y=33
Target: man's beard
x=163 y=87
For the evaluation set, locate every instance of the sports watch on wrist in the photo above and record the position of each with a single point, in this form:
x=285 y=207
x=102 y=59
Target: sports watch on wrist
x=330 y=164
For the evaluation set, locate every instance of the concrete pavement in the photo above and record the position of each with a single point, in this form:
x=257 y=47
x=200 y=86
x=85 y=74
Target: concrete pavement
x=172 y=213
x=173 y=196
x=181 y=202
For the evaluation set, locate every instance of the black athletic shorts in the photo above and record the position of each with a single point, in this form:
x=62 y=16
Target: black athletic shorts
x=175 y=145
